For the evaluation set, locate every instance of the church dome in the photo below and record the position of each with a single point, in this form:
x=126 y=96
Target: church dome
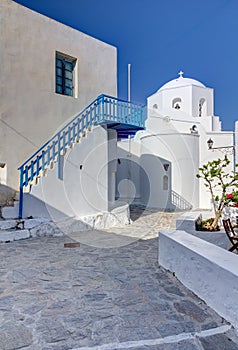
x=181 y=81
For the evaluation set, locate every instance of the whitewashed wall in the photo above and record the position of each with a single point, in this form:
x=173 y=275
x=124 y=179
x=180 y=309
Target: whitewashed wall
x=83 y=186
x=128 y=185
x=30 y=108
x=221 y=139
x=209 y=271
x=155 y=179
x=190 y=96
x=140 y=175
x=175 y=141
x=181 y=150
x=197 y=94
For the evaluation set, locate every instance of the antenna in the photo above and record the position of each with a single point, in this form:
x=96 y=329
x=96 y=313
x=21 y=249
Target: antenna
x=129 y=83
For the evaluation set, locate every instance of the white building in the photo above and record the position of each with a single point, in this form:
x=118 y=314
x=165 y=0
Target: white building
x=33 y=105
x=54 y=76
x=167 y=155
x=49 y=73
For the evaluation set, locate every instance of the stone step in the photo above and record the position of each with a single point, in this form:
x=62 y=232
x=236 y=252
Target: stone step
x=14 y=230
x=8 y=224
x=11 y=212
x=14 y=224
x=13 y=235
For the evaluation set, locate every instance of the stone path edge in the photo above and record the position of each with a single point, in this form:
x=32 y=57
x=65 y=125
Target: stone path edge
x=160 y=341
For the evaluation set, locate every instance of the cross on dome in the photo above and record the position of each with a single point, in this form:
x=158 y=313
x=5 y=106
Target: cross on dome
x=181 y=74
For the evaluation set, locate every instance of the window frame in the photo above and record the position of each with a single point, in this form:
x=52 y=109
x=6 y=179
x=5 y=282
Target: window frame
x=66 y=86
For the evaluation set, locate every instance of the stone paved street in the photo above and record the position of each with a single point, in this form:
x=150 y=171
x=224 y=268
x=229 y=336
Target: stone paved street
x=95 y=297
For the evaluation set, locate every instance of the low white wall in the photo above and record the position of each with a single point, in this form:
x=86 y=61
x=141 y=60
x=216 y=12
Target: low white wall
x=209 y=271
x=186 y=221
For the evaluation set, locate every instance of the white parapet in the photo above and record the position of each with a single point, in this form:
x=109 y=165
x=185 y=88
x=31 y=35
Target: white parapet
x=209 y=271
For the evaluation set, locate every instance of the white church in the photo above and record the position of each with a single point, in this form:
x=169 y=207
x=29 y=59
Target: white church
x=70 y=148
x=180 y=122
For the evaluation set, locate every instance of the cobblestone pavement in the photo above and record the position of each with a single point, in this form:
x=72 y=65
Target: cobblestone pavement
x=57 y=298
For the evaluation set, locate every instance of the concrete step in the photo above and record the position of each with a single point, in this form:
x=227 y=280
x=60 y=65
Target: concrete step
x=15 y=224
x=13 y=235
x=11 y=212
x=8 y=224
x=16 y=229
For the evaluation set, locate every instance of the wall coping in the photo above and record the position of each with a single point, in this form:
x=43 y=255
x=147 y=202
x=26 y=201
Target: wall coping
x=208 y=270
x=209 y=251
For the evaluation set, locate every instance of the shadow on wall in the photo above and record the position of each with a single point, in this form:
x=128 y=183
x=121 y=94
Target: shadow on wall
x=7 y=195
x=144 y=180
x=67 y=223
x=147 y=181
x=128 y=181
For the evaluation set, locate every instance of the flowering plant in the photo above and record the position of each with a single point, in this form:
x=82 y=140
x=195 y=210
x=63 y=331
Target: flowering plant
x=231 y=199
x=218 y=177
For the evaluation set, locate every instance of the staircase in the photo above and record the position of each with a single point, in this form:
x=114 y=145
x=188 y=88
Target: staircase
x=180 y=203
x=123 y=116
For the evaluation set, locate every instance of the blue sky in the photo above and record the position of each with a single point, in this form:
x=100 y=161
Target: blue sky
x=160 y=37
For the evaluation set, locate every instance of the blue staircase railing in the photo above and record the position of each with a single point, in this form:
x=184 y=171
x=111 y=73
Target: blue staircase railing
x=104 y=109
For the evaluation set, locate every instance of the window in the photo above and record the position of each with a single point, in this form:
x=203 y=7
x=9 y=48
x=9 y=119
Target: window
x=165 y=183
x=64 y=74
x=202 y=107
x=176 y=103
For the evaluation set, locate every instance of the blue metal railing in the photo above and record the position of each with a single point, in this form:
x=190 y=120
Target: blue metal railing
x=104 y=109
